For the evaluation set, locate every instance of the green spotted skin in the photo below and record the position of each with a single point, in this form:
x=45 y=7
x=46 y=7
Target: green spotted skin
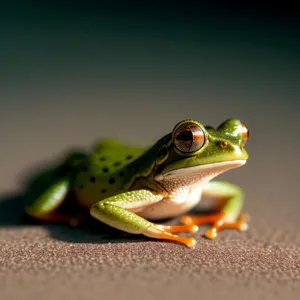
x=104 y=172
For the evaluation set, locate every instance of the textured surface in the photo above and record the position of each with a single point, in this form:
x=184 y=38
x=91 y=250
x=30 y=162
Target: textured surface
x=66 y=81
x=57 y=261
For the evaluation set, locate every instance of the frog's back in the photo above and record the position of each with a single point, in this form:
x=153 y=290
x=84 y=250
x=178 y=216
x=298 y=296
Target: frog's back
x=102 y=173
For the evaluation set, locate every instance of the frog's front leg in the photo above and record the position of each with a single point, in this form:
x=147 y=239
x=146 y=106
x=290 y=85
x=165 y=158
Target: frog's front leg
x=115 y=211
x=229 y=216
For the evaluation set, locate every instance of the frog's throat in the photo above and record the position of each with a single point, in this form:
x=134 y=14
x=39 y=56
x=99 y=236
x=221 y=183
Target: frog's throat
x=202 y=172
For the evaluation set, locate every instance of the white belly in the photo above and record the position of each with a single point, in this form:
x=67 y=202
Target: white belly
x=172 y=206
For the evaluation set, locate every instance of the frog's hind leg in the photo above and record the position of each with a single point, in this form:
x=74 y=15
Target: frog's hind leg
x=44 y=196
x=48 y=190
x=229 y=216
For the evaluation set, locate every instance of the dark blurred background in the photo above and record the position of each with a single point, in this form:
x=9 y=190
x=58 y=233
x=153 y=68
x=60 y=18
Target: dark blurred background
x=73 y=71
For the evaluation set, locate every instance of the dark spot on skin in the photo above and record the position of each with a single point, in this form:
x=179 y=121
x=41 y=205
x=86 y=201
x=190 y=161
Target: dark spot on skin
x=117 y=164
x=129 y=157
x=92 y=179
x=105 y=170
x=112 y=180
x=102 y=158
x=121 y=173
x=103 y=191
x=81 y=187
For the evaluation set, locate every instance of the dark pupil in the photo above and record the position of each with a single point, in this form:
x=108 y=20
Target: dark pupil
x=185 y=136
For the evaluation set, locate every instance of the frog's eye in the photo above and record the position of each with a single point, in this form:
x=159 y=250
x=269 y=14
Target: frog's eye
x=245 y=134
x=188 y=137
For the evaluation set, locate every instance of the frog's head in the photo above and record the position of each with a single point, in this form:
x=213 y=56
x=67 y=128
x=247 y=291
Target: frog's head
x=194 y=153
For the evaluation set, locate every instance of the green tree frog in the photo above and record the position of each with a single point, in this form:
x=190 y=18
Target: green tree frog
x=132 y=188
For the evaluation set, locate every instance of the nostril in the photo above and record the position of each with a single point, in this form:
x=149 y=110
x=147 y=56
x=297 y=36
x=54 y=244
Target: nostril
x=223 y=144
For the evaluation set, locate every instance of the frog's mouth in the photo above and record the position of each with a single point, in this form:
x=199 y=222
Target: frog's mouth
x=198 y=174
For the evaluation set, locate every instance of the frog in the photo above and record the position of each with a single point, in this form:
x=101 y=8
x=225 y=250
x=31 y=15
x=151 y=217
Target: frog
x=134 y=188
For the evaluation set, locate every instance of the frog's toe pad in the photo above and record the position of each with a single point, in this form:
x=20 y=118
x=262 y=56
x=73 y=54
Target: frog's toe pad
x=191 y=243
x=193 y=228
x=243 y=226
x=211 y=233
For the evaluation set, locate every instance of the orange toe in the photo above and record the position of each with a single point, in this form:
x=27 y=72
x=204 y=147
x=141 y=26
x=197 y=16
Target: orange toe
x=178 y=228
x=218 y=222
x=211 y=233
x=156 y=231
x=201 y=220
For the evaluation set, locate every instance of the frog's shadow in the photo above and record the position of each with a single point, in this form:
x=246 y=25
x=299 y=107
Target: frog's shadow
x=12 y=215
x=91 y=231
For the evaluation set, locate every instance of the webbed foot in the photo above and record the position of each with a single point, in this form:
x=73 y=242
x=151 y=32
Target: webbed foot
x=219 y=221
